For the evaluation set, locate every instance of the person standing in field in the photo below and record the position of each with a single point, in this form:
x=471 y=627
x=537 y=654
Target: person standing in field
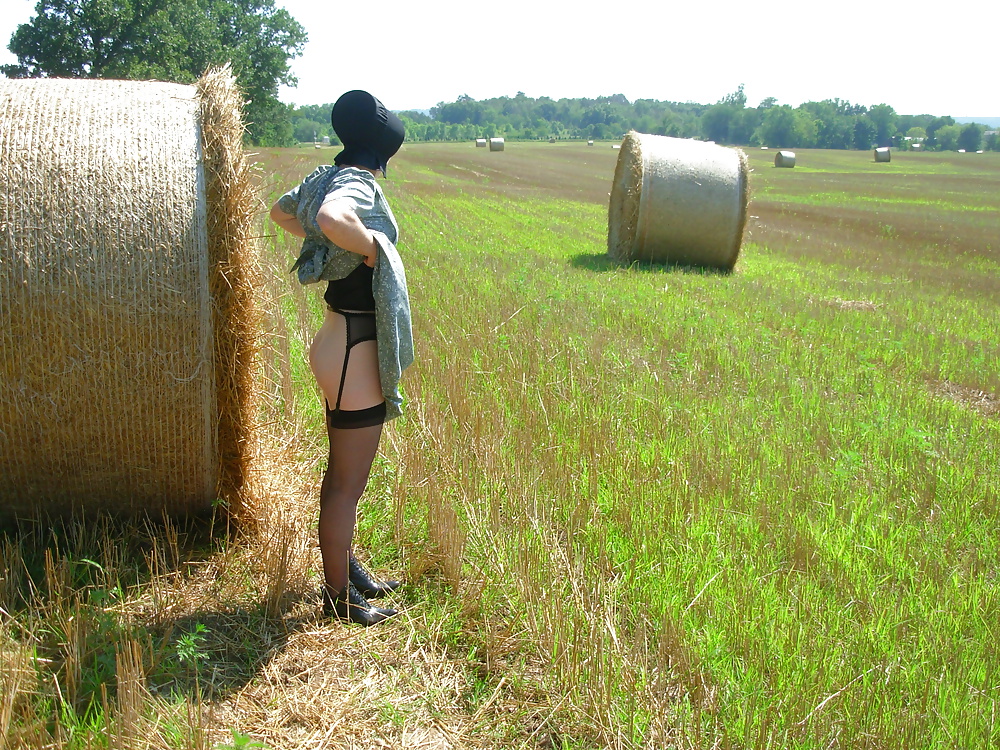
x=365 y=342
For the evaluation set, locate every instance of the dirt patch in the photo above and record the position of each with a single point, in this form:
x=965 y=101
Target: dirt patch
x=984 y=402
x=853 y=304
x=569 y=171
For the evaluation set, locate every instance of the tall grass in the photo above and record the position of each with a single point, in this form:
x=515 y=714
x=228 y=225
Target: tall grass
x=737 y=510
x=634 y=507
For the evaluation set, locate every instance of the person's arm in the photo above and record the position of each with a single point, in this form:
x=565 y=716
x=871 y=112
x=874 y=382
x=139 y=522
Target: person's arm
x=288 y=222
x=344 y=229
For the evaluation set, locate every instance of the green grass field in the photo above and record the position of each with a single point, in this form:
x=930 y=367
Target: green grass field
x=634 y=507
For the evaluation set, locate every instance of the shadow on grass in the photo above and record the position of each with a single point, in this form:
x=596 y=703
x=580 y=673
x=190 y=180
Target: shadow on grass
x=602 y=263
x=86 y=552
x=81 y=588
x=212 y=654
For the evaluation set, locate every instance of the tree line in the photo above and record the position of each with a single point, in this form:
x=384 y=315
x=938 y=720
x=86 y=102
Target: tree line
x=833 y=123
x=168 y=40
x=176 y=40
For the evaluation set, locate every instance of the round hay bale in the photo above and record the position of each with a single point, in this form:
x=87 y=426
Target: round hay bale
x=128 y=328
x=784 y=159
x=882 y=154
x=677 y=200
x=480 y=143
x=590 y=143
x=496 y=144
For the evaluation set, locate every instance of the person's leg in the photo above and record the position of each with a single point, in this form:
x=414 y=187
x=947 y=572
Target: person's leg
x=339 y=353
x=352 y=452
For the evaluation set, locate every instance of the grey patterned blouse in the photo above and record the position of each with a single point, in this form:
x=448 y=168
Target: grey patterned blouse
x=321 y=260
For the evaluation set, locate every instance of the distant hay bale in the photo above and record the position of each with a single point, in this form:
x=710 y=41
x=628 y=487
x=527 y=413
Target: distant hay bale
x=590 y=143
x=128 y=327
x=496 y=144
x=552 y=139
x=480 y=143
x=763 y=148
x=784 y=159
x=882 y=154
x=677 y=200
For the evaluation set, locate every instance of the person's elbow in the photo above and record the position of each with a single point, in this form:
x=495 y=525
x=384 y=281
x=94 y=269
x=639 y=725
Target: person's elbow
x=278 y=216
x=333 y=218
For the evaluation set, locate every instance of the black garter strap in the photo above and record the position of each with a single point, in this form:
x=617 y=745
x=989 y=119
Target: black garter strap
x=360 y=327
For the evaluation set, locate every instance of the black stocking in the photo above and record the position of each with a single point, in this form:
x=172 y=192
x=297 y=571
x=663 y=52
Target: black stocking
x=351 y=454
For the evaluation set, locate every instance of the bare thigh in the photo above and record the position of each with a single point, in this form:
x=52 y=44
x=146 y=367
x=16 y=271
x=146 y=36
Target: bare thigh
x=362 y=388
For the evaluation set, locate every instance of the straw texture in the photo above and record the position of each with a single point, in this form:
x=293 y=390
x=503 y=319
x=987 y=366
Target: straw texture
x=119 y=280
x=883 y=154
x=784 y=159
x=678 y=201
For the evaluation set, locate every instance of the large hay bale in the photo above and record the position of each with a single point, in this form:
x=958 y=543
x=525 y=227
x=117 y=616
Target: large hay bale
x=480 y=143
x=785 y=159
x=882 y=154
x=128 y=326
x=676 y=200
x=496 y=144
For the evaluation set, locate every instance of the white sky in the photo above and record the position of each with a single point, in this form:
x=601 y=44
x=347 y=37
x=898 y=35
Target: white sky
x=413 y=54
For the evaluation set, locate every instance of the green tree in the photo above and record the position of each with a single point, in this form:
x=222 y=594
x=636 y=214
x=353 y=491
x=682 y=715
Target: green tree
x=737 y=99
x=173 y=40
x=305 y=131
x=465 y=109
x=865 y=133
x=743 y=125
x=883 y=117
x=806 y=129
x=777 y=128
x=906 y=122
x=971 y=137
x=717 y=121
x=947 y=137
x=936 y=124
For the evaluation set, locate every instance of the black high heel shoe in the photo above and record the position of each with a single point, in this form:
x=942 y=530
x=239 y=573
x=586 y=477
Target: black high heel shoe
x=349 y=605
x=366 y=585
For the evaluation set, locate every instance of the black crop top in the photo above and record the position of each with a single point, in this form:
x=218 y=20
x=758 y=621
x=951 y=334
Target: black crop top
x=353 y=292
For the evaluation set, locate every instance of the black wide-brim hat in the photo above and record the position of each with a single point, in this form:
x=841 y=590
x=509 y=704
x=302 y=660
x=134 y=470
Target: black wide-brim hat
x=371 y=134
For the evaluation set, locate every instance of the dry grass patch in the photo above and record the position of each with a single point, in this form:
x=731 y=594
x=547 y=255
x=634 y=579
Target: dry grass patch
x=853 y=304
x=984 y=402
x=235 y=640
x=398 y=686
